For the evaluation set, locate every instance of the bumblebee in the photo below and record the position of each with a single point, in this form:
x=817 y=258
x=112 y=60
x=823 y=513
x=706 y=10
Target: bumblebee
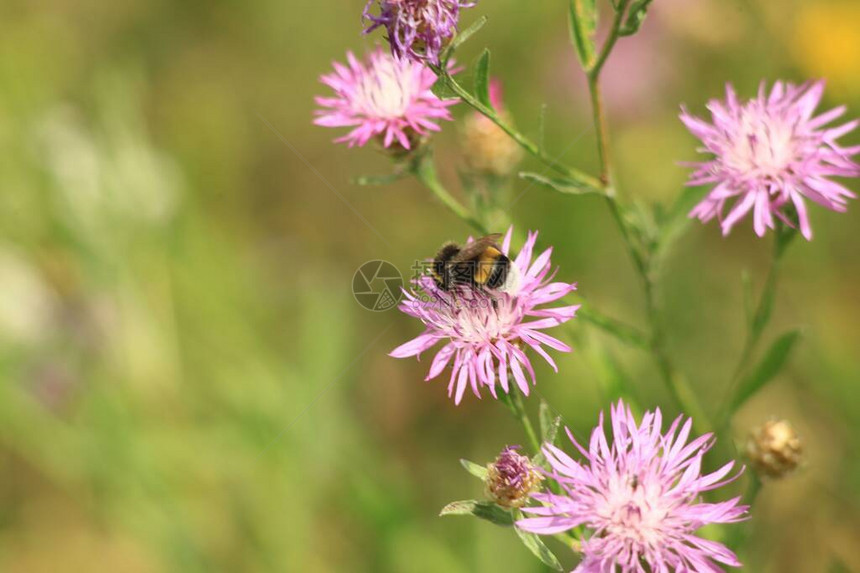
x=479 y=265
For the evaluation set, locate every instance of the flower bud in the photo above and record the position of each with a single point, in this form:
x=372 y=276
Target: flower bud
x=774 y=449
x=486 y=147
x=511 y=478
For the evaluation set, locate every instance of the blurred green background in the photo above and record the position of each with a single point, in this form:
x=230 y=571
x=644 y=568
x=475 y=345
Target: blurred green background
x=187 y=381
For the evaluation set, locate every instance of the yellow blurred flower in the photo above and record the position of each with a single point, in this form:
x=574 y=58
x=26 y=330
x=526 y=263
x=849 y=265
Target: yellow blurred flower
x=827 y=40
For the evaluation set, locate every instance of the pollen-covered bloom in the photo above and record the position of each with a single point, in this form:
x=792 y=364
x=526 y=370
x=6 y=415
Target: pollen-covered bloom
x=416 y=29
x=770 y=154
x=487 y=335
x=383 y=97
x=639 y=497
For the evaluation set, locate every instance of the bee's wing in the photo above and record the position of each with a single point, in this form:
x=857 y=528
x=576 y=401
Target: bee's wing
x=475 y=248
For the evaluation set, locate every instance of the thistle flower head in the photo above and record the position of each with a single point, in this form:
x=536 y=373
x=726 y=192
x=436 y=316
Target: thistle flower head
x=511 y=478
x=769 y=155
x=774 y=449
x=416 y=29
x=639 y=496
x=384 y=98
x=486 y=335
x=486 y=147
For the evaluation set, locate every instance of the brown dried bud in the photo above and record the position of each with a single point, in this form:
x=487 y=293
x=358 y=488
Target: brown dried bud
x=511 y=478
x=774 y=449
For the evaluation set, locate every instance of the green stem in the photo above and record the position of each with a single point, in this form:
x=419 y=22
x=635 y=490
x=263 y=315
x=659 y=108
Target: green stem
x=614 y=34
x=519 y=410
x=675 y=383
x=528 y=145
x=425 y=172
x=740 y=532
x=760 y=319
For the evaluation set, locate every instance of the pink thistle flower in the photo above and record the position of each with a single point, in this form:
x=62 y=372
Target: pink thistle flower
x=770 y=154
x=487 y=334
x=383 y=97
x=417 y=29
x=638 y=496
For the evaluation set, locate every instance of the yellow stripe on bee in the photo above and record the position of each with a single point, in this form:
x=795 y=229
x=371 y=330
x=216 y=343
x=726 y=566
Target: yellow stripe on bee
x=485 y=265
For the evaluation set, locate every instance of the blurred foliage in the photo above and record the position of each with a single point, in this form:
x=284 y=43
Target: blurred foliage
x=187 y=383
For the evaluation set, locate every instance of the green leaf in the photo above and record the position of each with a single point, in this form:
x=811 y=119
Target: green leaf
x=762 y=316
x=461 y=39
x=675 y=219
x=560 y=184
x=618 y=383
x=474 y=469
x=583 y=24
x=641 y=221
x=482 y=509
x=680 y=208
x=482 y=79
x=635 y=16
x=771 y=364
x=621 y=331
x=442 y=88
x=549 y=423
x=536 y=546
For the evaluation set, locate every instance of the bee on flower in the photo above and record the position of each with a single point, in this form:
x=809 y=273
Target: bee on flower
x=486 y=333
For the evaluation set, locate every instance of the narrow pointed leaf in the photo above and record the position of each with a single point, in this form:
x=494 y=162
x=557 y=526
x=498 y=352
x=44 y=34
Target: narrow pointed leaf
x=462 y=37
x=771 y=364
x=474 y=469
x=676 y=216
x=762 y=316
x=442 y=89
x=482 y=509
x=621 y=331
x=583 y=23
x=635 y=16
x=536 y=546
x=549 y=423
x=560 y=184
x=482 y=79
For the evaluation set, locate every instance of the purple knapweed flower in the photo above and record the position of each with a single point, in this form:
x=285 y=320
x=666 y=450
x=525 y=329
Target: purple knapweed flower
x=416 y=29
x=770 y=154
x=383 y=98
x=487 y=334
x=639 y=497
x=511 y=478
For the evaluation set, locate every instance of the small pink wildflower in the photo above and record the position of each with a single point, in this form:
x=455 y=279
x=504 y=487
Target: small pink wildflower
x=639 y=497
x=770 y=154
x=383 y=97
